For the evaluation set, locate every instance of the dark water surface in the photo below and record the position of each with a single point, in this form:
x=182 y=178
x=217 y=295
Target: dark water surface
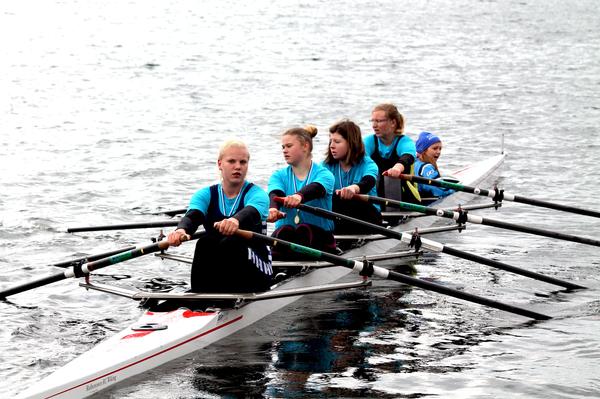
x=111 y=110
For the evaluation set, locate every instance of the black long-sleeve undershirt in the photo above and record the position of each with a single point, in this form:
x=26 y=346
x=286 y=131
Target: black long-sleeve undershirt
x=309 y=192
x=366 y=184
x=191 y=221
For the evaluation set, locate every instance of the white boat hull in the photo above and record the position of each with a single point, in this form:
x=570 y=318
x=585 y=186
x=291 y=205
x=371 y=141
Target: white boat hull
x=132 y=352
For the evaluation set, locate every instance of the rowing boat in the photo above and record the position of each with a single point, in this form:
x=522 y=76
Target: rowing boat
x=160 y=336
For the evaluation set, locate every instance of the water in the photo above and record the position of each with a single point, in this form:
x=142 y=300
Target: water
x=113 y=110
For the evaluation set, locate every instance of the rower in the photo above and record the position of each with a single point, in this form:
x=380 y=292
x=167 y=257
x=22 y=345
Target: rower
x=393 y=152
x=429 y=149
x=222 y=261
x=301 y=182
x=354 y=173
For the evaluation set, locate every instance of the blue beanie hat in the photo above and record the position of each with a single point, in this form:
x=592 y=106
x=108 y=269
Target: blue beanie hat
x=426 y=140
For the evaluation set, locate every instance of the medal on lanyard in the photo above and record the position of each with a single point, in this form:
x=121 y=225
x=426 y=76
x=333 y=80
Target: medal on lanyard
x=297 y=219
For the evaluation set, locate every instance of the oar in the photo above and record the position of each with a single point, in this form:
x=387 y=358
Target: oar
x=142 y=225
x=172 y=212
x=462 y=217
x=499 y=195
x=438 y=247
x=368 y=269
x=90 y=258
x=86 y=268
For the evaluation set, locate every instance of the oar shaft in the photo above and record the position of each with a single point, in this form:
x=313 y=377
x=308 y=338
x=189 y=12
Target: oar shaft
x=465 y=296
x=503 y=196
x=87 y=268
x=538 y=231
x=144 y=225
x=358 y=266
x=438 y=247
x=91 y=257
x=551 y=205
x=172 y=212
x=33 y=284
x=503 y=266
x=485 y=221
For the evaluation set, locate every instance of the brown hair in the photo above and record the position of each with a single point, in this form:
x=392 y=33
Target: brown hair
x=303 y=134
x=391 y=112
x=350 y=131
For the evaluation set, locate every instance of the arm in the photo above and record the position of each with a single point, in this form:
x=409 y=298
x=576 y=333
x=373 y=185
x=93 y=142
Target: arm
x=407 y=152
x=404 y=164
x=363 y=186
x=247 y=216
x=274 y=212
x=186 y=226
x=366 y=184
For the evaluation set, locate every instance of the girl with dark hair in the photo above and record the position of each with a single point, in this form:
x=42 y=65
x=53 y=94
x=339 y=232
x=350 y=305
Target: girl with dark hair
x=354 y=173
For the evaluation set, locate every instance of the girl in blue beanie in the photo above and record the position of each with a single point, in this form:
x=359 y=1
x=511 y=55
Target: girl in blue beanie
x=429 y=149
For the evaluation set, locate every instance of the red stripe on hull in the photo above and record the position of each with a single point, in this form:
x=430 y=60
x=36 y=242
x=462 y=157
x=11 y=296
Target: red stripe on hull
x=150 y=357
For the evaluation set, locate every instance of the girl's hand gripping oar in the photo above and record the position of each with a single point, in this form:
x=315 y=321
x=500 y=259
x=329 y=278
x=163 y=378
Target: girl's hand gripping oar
x=368 y=269
x=439 y=247
x=462 y=217
x=500 y=195
x=86 y=268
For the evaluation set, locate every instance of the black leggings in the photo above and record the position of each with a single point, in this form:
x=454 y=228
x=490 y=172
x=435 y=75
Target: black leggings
x=228 y=264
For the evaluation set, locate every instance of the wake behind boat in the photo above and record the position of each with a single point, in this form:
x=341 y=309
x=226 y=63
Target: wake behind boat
x=163 y=334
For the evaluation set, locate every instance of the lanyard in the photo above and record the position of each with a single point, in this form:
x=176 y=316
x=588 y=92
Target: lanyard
x=223 y=203
x=297 y=217
x=345 y=174
x=305 y=180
